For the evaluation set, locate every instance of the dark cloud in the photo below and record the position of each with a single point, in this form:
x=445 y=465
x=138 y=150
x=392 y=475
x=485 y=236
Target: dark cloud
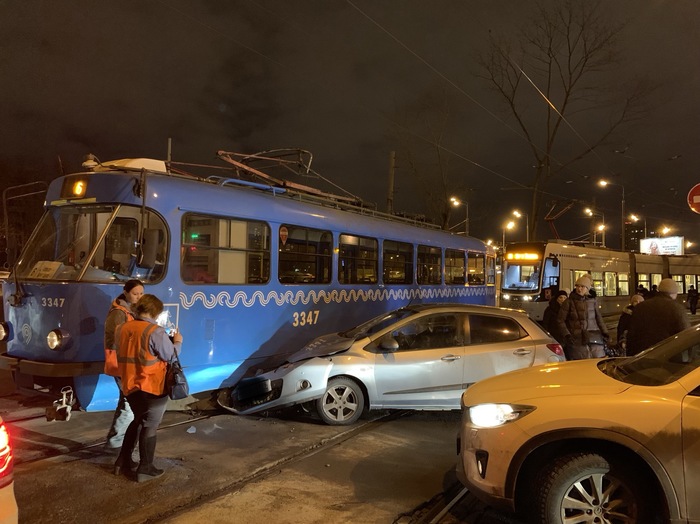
x=347 y=81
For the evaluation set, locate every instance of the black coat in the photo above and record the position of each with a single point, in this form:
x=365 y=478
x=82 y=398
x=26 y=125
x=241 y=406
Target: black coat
x=654 y=320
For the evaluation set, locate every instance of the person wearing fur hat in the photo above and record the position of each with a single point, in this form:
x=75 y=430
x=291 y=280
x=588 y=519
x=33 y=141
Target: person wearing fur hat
x=656 y=318
x=623 y=324
x=550 y=317
x=581 y=324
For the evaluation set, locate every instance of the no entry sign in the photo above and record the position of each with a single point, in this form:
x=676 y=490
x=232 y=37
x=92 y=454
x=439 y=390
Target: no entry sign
x=694 y=198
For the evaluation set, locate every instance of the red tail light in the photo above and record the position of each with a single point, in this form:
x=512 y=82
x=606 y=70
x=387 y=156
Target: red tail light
x=556 y=348
x=6 y=458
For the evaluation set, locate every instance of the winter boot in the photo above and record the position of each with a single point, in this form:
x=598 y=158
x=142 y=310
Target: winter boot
x=147 y=450
x=124 y=463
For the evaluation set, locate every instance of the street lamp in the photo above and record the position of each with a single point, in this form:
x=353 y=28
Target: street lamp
x=635 y=218
x=592 y=213
x=604 y=183
x=601 y=228
x=509 y=225
x=518 y=214
x=457 y=202
x=665 y=230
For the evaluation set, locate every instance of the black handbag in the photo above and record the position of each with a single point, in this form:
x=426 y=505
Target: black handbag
x=175 y=380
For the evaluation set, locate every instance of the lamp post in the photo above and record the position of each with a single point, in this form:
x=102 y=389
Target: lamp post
x=457 y=202
x=635 y=218
x=604 y=183
x=600 y=227
x=518 y=214
x=509 y=225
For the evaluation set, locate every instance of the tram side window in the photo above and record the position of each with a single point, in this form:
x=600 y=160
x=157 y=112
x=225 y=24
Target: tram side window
x=623 y=283
x=454 y=267
x=224 y=250
x=609 y=284
x=305 y=255
x=397 y=262
x=358 y=260
x=429 y=265
x=476 y=268
x=643 y=279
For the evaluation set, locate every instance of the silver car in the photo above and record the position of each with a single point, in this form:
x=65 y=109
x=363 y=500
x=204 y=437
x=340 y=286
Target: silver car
x=417 y=357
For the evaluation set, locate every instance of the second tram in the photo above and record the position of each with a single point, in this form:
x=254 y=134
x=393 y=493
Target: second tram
x=534 y=271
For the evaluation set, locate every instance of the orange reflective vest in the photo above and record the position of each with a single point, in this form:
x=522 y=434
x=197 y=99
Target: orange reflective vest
x=138 y=367
x=111 y=367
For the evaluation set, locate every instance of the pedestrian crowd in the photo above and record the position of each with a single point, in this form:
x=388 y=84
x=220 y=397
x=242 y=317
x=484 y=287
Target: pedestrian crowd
x=574 y=319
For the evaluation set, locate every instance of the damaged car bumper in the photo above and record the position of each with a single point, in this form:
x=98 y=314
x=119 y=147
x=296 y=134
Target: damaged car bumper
x=285 y=386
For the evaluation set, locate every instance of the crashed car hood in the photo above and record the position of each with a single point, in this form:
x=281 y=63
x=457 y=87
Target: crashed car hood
x=322 y=347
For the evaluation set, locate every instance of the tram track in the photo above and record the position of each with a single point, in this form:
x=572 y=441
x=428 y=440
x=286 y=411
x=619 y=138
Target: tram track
x=44 y=450
x=272 y=468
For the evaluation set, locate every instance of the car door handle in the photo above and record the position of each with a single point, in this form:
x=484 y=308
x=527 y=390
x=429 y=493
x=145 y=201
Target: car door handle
x=450 y=358
x=522 y=351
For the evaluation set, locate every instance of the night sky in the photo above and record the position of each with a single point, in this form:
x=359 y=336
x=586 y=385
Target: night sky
x=349 y=81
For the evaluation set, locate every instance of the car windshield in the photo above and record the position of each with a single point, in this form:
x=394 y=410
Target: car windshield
x=661 y=364
x=384 y=320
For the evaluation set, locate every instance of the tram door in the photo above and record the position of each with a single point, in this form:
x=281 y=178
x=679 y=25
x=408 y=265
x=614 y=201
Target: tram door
x=550 y=275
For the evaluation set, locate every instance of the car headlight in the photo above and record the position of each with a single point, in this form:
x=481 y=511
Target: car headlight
x=494 y=415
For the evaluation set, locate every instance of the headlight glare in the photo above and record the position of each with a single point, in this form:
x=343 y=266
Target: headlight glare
x=4 y=331
x=58 y=339
x=494 y=415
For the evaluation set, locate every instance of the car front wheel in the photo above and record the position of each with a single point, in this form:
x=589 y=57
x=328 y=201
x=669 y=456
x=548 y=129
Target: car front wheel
x=586 y=487
x=342 y=403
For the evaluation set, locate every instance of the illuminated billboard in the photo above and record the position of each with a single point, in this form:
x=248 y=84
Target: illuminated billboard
x=662 y=246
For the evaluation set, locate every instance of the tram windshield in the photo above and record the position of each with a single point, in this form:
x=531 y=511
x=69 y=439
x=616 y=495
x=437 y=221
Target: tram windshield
x=95 y=243
x=521 y=276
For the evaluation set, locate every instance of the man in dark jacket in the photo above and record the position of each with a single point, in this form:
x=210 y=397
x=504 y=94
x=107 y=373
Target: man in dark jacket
x=656 y=318
x=581 y=323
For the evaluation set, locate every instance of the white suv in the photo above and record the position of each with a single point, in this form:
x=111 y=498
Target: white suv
x=609 y=440
x=8 y=504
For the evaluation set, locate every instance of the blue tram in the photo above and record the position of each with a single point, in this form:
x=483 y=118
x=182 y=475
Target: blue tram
x=249 y=272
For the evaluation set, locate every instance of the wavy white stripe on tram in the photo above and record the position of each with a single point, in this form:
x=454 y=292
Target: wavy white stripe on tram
x=301 y=297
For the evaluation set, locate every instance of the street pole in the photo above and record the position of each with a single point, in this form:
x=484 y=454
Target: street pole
x=466 y=219
x=622 y=225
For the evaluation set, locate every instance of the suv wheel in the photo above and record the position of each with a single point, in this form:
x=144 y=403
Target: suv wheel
x=587 y=487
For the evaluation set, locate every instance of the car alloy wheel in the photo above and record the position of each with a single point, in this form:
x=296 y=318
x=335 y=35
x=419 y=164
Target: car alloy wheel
x=342 y=403
x=586 y=487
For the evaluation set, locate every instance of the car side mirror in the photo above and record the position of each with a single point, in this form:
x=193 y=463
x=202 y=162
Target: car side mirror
x=389 y=343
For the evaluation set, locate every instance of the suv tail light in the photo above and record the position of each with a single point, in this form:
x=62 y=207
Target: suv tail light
x=556 y=348
x=6 y=458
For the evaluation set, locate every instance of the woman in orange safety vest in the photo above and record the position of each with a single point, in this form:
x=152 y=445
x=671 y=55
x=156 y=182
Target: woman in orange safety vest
x=143 y=351
x=119 y=312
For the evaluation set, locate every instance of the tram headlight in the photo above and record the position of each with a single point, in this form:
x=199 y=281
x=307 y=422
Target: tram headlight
x=506 y=296
x=58 y=339
x=4 y=331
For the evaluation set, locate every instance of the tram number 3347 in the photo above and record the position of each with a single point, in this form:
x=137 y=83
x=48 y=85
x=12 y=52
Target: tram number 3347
x=305 y=318
x=52 y=302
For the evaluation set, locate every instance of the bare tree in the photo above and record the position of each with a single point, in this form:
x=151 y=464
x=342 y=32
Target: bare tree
x=560 y=59
x=422 y=137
